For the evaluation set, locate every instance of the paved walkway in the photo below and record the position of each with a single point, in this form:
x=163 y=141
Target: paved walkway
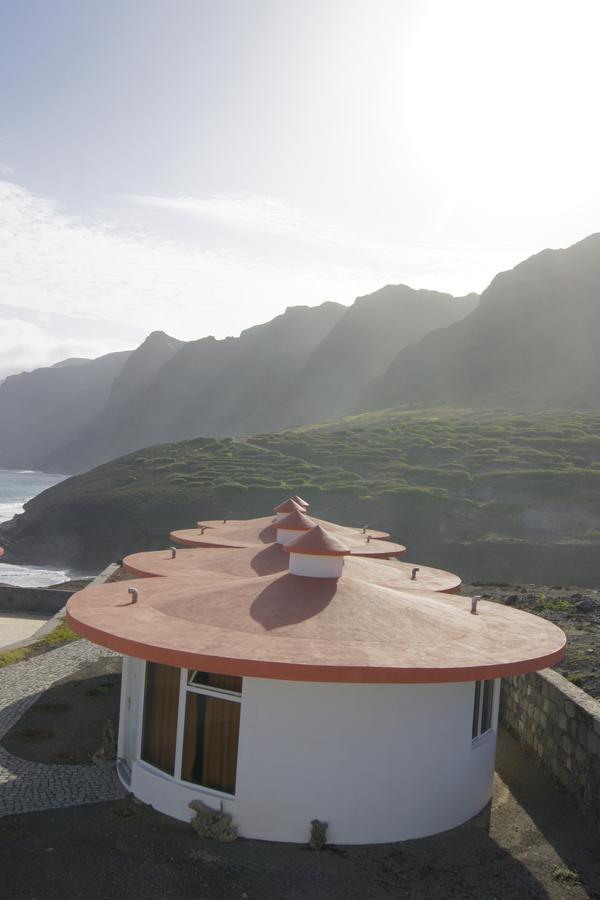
x=19 y=626
x=28 y=786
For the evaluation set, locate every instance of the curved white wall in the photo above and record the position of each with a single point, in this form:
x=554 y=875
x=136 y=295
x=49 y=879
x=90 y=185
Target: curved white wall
x=316 y=566
x=377 y=762
x=284 y=535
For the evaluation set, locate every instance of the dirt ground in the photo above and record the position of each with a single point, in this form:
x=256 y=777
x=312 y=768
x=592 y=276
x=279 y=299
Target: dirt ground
x=537 y=846
x=65 y=724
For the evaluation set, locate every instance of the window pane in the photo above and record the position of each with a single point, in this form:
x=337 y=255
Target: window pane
x=487 y=706
x=159 y=730
x=475 y=728
x=219 y=682
x=210 y=742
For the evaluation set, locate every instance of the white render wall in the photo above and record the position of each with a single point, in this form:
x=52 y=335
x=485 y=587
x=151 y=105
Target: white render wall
x=316 y=566
x=379 y=763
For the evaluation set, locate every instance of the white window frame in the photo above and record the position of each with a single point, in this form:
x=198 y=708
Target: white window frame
x=480 y=735
x=184 y=688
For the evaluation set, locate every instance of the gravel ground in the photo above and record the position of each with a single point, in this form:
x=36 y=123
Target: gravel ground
x=537 y=847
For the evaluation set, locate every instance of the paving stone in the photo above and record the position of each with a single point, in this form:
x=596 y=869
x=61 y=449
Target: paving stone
x=27 y=786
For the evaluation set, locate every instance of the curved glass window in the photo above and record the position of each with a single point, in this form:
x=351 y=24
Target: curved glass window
x=191 y=725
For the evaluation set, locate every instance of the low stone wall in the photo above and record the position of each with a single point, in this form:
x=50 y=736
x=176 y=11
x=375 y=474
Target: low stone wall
x=31 y=600
x=561 y=724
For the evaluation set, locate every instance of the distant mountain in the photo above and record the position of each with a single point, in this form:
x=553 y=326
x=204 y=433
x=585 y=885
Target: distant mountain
x=72 y=361
x=102 y=431
x=39 y=409
x=208 y=387
x=364 y=341
x=308 y=364
x=531 y=342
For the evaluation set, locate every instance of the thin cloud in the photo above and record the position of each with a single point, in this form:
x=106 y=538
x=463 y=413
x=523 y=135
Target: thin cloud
x=272 y=216
x=51 y=261
x=269 y=215
x=62 y=264
x=25 y=346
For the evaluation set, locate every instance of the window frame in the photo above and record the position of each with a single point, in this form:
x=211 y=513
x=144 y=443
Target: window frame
x=184 y=688
x=479 y=691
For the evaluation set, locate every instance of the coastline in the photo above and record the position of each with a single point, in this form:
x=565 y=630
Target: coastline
x=17 y=487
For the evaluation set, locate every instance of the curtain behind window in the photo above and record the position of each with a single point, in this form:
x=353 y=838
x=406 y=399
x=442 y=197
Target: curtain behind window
x=159 y=732
x=210 y=742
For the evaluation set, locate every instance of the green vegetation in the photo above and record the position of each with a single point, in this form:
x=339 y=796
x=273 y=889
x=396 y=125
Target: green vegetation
x=482 y=492
x=62 y=634
x=565 y=875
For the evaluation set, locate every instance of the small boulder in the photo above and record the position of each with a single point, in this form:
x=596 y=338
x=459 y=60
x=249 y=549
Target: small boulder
x=212 y=823
x=587 y=605
x=511 y=600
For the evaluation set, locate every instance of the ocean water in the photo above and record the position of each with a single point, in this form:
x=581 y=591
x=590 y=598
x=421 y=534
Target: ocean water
x=16 y=487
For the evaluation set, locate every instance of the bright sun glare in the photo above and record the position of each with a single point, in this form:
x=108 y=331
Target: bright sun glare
x=499 y=94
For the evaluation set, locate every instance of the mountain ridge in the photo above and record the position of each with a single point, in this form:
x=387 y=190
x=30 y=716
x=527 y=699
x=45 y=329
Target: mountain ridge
x=263 y=380
x=530 y=342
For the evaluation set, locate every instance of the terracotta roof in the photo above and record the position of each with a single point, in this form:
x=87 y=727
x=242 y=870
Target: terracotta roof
x=296 y=521
x=314 y=629
x=288 y=506
x=317 y=542
x=300 y=501
x=258 y=532
x=268 y=560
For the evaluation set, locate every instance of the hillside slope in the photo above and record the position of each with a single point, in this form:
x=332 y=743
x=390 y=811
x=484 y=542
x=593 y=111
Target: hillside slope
x=531 y=342
x=490 y=495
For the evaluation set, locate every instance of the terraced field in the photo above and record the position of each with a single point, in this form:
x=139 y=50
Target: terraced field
x=493 y=495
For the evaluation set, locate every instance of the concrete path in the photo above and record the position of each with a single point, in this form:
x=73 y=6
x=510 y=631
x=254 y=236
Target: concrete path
x=19 y=626
x=27 y=786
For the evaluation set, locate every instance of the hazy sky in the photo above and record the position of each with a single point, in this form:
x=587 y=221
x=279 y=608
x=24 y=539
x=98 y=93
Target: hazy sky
x=198 y=166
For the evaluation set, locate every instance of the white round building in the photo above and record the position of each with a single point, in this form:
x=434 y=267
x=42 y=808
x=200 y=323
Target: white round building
x=332 y=689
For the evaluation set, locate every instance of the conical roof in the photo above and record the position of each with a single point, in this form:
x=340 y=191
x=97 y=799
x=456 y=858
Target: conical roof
x=300 y=501
x=296 y=521
x=288 y=506
x=317 y=542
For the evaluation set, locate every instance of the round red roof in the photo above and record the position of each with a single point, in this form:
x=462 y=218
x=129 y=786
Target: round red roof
x=257 y=532
x=296 y=521
x=314 y=629
x=268 y=560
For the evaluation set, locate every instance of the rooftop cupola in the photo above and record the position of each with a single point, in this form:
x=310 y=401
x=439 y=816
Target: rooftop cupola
x=284 y=509
x=317 y=554
x=300 y=501
x=292 y=526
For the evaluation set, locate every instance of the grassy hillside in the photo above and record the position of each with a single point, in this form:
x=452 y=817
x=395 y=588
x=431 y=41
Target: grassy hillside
x=492 y=495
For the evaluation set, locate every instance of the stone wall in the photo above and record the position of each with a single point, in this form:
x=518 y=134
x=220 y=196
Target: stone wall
x=560 y=723
x=32 y=600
